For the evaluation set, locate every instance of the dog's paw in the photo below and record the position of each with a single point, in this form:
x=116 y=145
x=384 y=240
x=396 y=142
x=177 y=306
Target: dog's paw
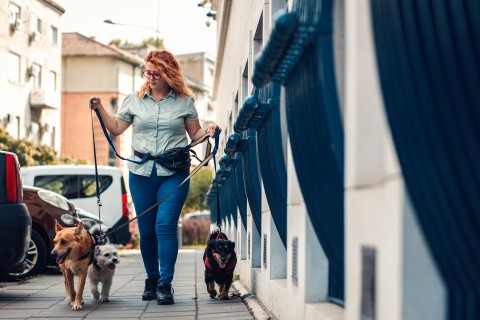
x=106 y=299
x=213 y=293
x=95 y=295
x=76 y=307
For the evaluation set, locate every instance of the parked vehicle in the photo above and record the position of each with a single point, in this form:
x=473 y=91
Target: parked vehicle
x=15 y=221
x=89 y=219
x=78 y=184
x=196 y=227
x=45 y=207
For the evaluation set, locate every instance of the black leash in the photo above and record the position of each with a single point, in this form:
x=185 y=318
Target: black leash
x=209 y=154
x=146 y=156
x=194 y=171
x=219 y=224
x=97 y=184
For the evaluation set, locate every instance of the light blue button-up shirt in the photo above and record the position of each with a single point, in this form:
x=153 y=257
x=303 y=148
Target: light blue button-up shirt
x=157 y=126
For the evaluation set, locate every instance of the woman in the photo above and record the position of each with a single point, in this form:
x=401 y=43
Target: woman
x=161 y=112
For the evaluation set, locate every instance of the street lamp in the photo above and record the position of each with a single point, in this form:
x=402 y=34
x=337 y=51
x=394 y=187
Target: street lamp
x=108 y=21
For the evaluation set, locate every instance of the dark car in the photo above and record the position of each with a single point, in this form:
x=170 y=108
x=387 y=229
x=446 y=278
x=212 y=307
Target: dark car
x=15 y=221
x=45 y=207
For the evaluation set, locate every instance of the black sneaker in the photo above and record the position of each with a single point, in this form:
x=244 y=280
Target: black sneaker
x=150 y=292
x=165 y=294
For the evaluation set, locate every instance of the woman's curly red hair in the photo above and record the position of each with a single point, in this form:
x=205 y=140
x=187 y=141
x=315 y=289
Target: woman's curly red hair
x=169 y=69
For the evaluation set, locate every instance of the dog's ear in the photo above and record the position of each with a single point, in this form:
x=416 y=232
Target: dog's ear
x=233 y=244
x=79 y=228
x=97 y=251
x=58 y=226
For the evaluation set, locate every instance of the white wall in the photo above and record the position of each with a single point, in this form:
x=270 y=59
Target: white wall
x=378 y=213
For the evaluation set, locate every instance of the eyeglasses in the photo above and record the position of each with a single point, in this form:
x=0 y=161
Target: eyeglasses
x=151 y=74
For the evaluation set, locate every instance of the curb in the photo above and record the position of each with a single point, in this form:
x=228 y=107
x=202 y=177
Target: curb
x=254 y=306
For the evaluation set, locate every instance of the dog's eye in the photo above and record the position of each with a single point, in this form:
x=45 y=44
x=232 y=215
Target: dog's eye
x=63 y=242
x=106 y=255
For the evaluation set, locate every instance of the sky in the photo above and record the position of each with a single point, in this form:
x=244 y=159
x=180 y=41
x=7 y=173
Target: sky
x=181 y=23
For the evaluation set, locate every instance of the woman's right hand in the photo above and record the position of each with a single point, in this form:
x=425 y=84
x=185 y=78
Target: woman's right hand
x=95 y=103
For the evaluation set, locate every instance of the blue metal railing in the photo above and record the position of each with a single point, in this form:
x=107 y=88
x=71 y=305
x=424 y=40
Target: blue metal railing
x=314 y=124
x=428 y=61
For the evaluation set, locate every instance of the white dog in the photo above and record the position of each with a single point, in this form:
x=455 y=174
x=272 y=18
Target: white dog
x=102 y=269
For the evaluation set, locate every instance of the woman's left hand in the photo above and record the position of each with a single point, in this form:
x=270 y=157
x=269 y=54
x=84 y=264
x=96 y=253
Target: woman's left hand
x=211 y=129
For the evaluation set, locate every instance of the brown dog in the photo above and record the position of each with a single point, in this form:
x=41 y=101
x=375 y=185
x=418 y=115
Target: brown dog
x=73 y=251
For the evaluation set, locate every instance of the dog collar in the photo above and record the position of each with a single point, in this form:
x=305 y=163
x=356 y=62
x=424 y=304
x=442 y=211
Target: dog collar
x=90 y=253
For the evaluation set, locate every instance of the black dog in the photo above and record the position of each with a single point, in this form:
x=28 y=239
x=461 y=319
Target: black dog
x=220 y=260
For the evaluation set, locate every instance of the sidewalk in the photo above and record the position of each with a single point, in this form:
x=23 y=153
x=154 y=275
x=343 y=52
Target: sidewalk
x=44 y=296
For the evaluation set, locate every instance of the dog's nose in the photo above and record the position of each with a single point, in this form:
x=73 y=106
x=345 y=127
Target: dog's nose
x=115 y=260
x=53 y=254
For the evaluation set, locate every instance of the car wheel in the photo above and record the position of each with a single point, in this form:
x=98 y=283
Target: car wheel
x=36 y=258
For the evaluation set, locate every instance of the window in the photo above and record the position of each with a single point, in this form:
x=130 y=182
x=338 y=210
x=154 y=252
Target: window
x=14 y=15
x=73 y=186
x=13 y=65
x=88 y=185
x=51 y=81
x=54 y=39
x=37 y=25
x=35 y=73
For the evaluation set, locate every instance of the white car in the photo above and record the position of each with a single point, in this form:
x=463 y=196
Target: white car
x=78 y=184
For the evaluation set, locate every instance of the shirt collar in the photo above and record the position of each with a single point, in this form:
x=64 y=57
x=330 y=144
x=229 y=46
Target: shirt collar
x=171 y=93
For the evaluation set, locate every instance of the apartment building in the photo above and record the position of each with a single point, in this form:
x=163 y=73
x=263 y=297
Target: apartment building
x=349 y=180
x=91 y=68
x=198 y=69
x=30 y=56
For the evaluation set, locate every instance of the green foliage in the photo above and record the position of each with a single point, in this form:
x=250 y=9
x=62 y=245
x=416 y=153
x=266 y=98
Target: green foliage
x=125 y=44
x=199 y=185
x=153 y=42
x=30 y=154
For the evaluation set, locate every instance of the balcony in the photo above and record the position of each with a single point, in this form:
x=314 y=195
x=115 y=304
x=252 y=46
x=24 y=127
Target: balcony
x=44 y=99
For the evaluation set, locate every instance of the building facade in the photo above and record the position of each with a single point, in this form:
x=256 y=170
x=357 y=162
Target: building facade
x=198 y=69
x=91 y=68
x=30 y=56
x=347 y=176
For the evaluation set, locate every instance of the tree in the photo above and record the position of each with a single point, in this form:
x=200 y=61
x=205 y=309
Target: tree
x=199 y=185
x=125 y=44
x=30 y=154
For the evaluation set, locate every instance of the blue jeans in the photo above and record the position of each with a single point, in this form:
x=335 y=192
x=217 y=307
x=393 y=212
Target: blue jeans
x=158 y=227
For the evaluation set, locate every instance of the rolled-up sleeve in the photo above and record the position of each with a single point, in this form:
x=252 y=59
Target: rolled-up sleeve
x=124 y=112
x=191 y=110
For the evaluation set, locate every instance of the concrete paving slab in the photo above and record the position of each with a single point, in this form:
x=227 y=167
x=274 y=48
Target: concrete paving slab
x=43 y=297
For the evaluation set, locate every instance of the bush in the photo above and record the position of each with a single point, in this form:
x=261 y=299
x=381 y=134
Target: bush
x=30 y=154
x=195 y=231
